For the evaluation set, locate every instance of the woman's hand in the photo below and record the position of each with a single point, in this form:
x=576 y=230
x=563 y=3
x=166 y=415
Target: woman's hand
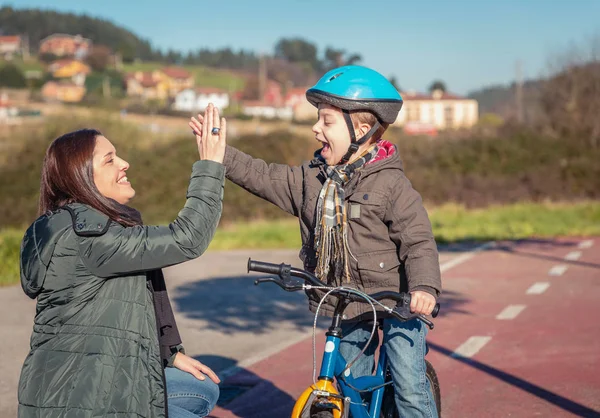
x=194 y=367
x=211 y=133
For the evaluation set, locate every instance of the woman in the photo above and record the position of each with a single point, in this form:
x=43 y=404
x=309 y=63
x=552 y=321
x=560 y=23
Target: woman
x=104 y=340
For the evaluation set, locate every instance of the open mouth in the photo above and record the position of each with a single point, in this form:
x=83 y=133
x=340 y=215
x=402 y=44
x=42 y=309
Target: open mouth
x=123 y=180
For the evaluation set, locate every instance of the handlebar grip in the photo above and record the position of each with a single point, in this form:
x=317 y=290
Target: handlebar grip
x=262 y=267
x=436 y=310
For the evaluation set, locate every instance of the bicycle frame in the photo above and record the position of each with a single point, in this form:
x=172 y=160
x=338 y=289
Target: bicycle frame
x=333 y=365
x=323 y=392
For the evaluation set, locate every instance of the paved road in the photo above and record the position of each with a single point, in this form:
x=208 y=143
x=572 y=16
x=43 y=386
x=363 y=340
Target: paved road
x=225 y=320
x=518 y=337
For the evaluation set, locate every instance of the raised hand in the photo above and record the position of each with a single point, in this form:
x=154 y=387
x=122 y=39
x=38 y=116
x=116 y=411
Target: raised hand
x=211 y=133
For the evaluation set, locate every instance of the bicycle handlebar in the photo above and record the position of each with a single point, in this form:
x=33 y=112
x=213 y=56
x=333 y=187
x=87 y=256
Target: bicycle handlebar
x=286 y=271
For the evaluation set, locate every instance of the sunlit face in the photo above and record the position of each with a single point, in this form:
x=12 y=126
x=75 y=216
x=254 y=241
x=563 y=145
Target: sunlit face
x=332 y=131
x=109 y=172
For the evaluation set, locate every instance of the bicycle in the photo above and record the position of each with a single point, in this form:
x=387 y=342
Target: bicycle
x=362 y=397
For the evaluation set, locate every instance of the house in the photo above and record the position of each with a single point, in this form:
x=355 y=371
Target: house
x=147 y=85
x=158 y=84
x=422 y=113
x=179 y=79
x=266 y=110
x=301 y=108
x=196 y=100
x=61 y=45
x=70 y=68
x=10 y=46
x=273 y=95
x=62 y=91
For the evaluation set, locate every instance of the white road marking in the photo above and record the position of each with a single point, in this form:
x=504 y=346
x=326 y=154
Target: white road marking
x=538 y=288
x=511 y=312
x=471 y=347
x=558 y=270
x=573 y=256
x=464 y=257
x=585 y=244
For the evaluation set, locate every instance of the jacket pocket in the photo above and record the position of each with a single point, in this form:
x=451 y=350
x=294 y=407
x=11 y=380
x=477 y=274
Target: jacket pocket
x=380 y=270
x=362 y=205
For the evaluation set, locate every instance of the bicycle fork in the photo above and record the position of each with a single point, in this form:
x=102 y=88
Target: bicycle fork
x=323 y=395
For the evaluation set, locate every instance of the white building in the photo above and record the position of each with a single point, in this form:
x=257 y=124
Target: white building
x=437 y=111
x=195 y=100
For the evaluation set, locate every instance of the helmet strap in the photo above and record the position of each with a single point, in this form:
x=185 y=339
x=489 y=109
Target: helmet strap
x=354 y=143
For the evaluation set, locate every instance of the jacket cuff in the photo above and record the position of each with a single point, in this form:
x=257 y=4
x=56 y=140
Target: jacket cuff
x=432 y=291
x=174 y=351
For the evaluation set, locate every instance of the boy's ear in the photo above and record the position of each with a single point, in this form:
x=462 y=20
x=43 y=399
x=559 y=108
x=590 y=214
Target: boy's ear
x=362 y=129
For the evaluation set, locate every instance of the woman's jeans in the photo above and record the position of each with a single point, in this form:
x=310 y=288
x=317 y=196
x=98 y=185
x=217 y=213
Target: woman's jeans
x=188 y=397
x=405 y=346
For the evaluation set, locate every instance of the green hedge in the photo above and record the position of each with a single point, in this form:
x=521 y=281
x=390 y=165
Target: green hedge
x=472 y=172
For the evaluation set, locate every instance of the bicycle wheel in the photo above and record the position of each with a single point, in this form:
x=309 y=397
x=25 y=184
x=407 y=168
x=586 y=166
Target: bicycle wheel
x=388 y=405
x=321 y=414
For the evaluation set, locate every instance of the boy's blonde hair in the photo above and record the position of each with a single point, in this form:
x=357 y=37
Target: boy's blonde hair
x=369 y=118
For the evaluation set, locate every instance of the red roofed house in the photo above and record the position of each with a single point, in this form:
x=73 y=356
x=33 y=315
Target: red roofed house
x=10 y=45
x=179 y=79
x=272 y=106
x=62 y=91
x=422 y=113
x=147 y=85
x=70 y=68
x=158 y=84
x=61 y=45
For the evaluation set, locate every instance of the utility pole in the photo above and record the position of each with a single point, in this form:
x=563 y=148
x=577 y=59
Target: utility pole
x=262 y=77
x=519 y=92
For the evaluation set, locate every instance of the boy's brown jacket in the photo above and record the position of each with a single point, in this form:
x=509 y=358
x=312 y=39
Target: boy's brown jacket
x=389 y=233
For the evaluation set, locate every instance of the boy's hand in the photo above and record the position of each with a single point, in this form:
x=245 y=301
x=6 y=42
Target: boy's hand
x=421 y=302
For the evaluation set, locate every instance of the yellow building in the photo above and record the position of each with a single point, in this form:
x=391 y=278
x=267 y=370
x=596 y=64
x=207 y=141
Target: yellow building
x=70 y=68
x=63 y=91
x=158 y=84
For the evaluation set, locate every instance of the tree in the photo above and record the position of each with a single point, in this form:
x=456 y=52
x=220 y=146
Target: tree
x=99 y=57
x=570 y=97
x=394 y=82
x=11 y=76
x=337 y=57
x=297 y=50
x=437 y=85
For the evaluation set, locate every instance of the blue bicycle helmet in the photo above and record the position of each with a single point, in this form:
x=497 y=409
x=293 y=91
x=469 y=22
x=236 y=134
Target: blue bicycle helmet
x=353 y=87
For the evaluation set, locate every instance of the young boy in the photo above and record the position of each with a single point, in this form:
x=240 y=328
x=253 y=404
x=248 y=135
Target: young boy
x=361 y=222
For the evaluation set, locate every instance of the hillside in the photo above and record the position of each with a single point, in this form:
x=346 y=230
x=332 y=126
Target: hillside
x=38 y=24
x=501 y=99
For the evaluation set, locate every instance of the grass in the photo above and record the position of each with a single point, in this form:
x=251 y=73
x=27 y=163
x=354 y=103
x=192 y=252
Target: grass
x=451 y=223
x=31 y=64
x=10 y=241
x=204 y=76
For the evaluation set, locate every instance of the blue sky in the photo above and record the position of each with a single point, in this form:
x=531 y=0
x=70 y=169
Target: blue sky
x=467 y=43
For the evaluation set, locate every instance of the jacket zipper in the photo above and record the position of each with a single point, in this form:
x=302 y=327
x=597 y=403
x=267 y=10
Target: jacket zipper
x=164 y=379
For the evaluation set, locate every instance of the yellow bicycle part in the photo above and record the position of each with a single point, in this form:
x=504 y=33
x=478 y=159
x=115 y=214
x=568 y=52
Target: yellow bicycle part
x=323 y=386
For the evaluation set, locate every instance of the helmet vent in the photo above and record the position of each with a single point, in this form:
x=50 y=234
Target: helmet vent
x=333 y=77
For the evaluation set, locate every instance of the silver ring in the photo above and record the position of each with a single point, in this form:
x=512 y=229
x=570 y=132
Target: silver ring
x=215 y=131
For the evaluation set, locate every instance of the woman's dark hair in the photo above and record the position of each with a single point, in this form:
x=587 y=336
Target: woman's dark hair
x=68 y=177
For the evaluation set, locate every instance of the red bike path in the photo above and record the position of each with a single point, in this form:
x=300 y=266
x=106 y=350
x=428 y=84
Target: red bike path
x=518 y=336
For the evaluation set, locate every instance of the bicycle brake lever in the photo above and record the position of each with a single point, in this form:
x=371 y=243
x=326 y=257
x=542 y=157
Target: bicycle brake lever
x=402 y=312
x=268 y=279
x=425 y=321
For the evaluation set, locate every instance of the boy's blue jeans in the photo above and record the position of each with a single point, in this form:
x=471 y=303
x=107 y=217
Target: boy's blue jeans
x=405 y=346
x=188 y=397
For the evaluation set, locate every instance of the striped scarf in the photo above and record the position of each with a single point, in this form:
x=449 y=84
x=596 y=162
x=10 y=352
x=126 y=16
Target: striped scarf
x=331 y=241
